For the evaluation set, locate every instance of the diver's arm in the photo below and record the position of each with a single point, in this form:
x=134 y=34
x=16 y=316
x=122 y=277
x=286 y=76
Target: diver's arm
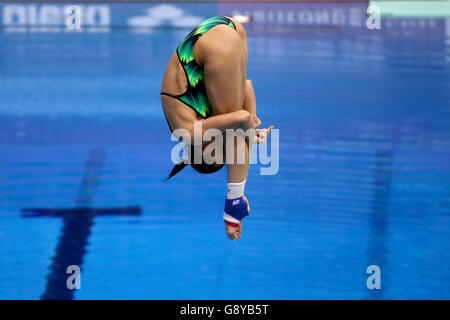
x=250 y=106
x=250 y=99
x=240 y=119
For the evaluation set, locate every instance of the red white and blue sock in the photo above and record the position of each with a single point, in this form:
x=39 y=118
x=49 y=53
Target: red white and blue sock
x=236 y=207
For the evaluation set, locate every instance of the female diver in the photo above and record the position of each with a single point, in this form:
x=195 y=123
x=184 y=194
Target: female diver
x=205 y=80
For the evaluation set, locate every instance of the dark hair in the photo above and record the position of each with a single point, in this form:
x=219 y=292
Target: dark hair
x=203 y=167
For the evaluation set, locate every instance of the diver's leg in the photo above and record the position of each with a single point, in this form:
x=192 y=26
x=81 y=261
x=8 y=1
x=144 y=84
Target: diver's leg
x=225 y=70
x=238 y=172
x=224 y=66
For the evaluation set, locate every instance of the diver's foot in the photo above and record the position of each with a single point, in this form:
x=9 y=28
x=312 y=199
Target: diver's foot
x=233 y=232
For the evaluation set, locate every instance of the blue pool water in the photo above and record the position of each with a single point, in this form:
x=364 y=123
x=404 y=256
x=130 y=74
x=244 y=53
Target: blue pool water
x=364 y=175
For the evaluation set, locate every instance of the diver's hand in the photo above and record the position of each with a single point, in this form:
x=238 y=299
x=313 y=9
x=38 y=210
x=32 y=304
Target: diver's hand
x=262 y=134
x=247 y=120
x=255 y=122
x=235 y=233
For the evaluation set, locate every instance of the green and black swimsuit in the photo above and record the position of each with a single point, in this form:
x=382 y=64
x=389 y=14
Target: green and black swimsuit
x=195 y=96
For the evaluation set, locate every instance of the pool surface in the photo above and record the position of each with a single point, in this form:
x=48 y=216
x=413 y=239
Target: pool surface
x=364 y=173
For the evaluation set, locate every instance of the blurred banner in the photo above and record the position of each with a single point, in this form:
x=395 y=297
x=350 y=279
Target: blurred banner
x=128 y=1
x=115 y=14
x=264 y=16
x=297 y=14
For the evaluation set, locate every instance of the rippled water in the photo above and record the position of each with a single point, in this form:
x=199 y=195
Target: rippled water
x=364 y=175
